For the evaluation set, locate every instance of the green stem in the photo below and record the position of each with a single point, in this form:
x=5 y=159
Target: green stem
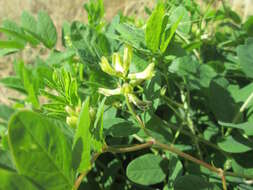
x=241 y=110
x=188 y=42
x=243 y=107
x=200 y=139
x=138 y=119
x=188 y=120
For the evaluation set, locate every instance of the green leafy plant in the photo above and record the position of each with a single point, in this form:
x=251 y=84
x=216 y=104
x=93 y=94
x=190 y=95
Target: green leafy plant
x=163 y=103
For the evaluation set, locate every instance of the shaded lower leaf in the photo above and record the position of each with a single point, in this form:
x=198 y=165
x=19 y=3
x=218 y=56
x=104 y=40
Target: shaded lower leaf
x=5 y=112
x=118 y=127
x=11 y=180
x=82 y=139
x=246 y=127
x=5 y=160
x=245 y=56
x=221 y=102
x=235 y=145
x=40 y=150
x=147 y=170
x=189 y=182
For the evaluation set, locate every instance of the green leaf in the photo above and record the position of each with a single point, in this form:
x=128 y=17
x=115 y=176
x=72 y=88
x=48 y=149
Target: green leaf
x=46 y=30
x=58 y=58
x=11 y=45
x=221 y=102
x=246 y=127
x=189 y=182
x=4 y=52
x=14 y=83
x=242 y=163
x=235 y=144
x=40 y=150
x=147 y=170
x=175 y=168
x=185 y=21
x=6 y=160
x=248 y=26
x=118 y=127
x=177 y=16
x=82 y=37
x=13 y=32
x=29 y=87
x=241 y=95
x=97 y=136
x=11 y=180
x=132 y=35
x=245 y=56
x=154 y=28
x=20 y=36
x=82 y=139
x=28 y=22
x=158 y=129
x=5 y=112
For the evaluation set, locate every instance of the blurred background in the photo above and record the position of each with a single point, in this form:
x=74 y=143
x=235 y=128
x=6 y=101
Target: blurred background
x=61 y=10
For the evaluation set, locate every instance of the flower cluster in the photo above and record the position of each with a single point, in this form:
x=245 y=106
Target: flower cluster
x=120 y=69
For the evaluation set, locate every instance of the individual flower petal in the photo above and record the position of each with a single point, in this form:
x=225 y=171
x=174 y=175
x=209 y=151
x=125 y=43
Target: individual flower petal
x=110 y=92
x=128 y=53
x=106 y=67
x=147 y=74
x=117 y=63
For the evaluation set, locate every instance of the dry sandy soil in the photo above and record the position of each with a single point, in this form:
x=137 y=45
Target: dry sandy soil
x=69 y=10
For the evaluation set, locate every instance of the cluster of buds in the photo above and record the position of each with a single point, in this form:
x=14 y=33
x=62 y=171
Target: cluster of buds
x=72 y=117
x=120 y=69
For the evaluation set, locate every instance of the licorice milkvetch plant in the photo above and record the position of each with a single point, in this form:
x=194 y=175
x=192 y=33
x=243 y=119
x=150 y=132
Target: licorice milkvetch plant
x=163 y=102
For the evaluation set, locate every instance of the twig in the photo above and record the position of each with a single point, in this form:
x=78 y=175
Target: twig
x=82 y=175
x=223 y=179
x=130 y=148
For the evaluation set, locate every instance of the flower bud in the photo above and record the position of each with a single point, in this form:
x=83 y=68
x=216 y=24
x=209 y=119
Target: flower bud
x=163 y=91
x=128 y=53
x=147 y=74
x=139 y=103
x=69 y=110
x=117 y=63
x=106 y=67
x=92 y=114
x=109 y=92
x=127 y=89
x=72 y=121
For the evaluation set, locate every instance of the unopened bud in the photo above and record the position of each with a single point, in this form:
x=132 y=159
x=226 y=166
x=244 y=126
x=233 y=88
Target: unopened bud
x=70 y=111
x=106 y=67
x=128 y=53
x=109 y=92
x=163 y=91
x=72 y=121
